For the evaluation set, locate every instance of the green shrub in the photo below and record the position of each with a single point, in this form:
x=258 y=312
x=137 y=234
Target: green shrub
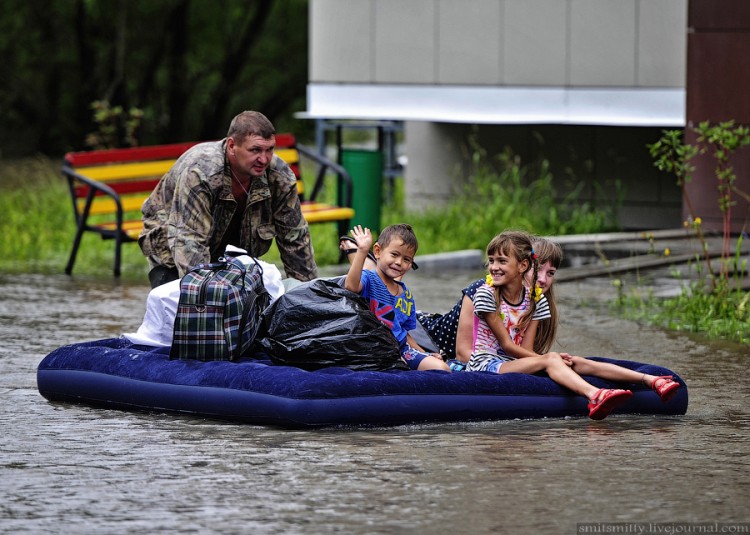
x=695 y=310
x=491 y=202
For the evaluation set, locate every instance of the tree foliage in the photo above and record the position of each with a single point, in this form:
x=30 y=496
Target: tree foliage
x=189 y=65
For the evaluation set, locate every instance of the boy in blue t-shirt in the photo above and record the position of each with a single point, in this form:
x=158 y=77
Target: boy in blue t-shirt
x=390 y=300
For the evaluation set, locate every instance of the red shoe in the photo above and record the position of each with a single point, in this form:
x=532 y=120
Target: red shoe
x=665 y=387
x=606 y=400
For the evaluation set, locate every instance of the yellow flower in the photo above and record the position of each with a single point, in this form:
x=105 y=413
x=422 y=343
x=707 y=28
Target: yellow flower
x=667 y=252
x=537 y=293
x=698 y=221
x=489 y=280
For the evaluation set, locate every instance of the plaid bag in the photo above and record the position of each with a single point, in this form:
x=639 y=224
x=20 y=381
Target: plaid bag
x=219 y=311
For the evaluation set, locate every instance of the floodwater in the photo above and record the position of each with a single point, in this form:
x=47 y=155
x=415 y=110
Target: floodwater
x=74 y=469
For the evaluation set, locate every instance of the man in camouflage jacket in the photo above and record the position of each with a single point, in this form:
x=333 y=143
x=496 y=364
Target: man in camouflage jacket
x=234 y=191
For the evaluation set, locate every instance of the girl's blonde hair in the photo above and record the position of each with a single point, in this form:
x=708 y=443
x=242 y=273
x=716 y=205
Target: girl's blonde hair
x=517 y=244
x=547 y=251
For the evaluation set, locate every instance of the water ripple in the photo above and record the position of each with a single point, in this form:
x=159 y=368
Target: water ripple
x=79 y=469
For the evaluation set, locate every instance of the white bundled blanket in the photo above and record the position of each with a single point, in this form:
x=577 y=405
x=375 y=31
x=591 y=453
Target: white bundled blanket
x=161 y=305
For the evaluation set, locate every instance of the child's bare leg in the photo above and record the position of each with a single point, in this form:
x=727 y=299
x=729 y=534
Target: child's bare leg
x=556 y=368
x=602 y=401
x=611 y=372
x=416 y=359
x=433 y=363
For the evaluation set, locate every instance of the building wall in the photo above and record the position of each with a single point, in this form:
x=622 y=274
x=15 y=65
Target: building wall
x=603 y=43
x=606 y=165
x=718 y=77
x=619 y=47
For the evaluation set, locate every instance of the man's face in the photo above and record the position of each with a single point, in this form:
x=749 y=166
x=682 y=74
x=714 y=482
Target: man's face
x=252 y=155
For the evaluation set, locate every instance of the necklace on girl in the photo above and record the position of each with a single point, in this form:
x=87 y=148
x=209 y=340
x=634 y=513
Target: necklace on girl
x=507 y=300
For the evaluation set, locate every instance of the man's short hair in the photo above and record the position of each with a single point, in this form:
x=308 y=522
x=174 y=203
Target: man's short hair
x=250 y=123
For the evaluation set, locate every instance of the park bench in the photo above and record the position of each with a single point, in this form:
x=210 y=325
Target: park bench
x=108 y=188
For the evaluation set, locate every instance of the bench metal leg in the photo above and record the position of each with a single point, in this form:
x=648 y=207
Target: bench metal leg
x=74 y=251
x=118 y=249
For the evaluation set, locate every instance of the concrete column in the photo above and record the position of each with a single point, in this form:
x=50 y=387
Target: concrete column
x=433 y=163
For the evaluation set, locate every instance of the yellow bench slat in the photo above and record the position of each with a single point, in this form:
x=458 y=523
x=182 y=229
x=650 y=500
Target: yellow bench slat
x=133 y=233
x=319 y=213
x=322 y=213
x=290 y=156
x=133 y=224
x=131 y=228
x=126 y=171
x=313 y=212
x=335 y=214
x=105 y=205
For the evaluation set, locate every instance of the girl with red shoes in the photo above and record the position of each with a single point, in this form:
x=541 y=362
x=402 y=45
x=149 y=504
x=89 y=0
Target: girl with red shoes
x=507 y=315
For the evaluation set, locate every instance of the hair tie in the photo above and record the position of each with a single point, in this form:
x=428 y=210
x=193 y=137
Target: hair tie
x=537 y=294
x=533 y=254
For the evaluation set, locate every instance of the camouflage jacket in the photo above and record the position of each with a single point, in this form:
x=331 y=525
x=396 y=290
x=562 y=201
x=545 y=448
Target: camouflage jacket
x=187 y=214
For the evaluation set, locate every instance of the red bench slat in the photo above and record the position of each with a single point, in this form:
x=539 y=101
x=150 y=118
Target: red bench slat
x=285 y=140
x=136 y=154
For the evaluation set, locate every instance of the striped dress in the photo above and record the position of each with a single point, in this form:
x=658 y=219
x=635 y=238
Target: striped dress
x=487 y=355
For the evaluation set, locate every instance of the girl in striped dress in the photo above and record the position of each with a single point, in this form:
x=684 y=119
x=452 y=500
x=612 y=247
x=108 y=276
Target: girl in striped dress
x=507 y=315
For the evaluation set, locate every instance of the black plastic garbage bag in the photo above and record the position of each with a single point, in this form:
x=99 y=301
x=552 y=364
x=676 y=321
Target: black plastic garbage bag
x=319 y=324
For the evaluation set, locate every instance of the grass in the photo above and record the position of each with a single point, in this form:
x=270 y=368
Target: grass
x=38 y=228
x=724 y=316
x=713 y=305
x=38 y=225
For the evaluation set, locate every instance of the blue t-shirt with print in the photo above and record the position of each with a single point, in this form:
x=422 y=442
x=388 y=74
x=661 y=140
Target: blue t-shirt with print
x=396 y=311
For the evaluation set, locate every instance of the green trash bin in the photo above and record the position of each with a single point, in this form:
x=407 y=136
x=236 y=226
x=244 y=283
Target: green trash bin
x=366 y=169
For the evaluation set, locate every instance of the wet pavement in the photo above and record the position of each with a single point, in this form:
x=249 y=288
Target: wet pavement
x=68 y=468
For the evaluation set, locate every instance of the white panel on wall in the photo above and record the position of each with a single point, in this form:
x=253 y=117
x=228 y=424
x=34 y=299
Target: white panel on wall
x=535 y=44
x=602 y=42
x=469 y=37
x=405 y=41
x=341 y=37
x=662 y=43
x=613 y=106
